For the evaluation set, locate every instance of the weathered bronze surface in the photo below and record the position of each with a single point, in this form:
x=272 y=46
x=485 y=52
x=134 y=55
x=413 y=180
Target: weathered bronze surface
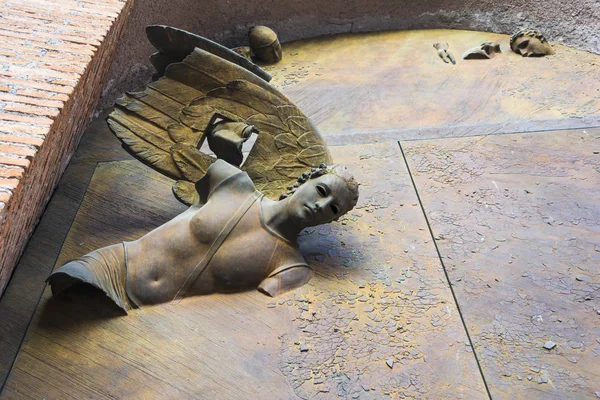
x=484 y=51
x=530 y=43
x=399 y=85
x=444 y=52
x=232 y=239
x=379 y=297
x=264 y=44
x=233 y=346
x=174 y=45
x=165 y=125
x=517 y=222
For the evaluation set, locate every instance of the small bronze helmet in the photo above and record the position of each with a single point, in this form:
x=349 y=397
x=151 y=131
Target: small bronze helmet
x=264 y=44
x=530 y=43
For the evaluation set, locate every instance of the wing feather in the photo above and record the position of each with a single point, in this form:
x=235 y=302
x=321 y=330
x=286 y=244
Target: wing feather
x=147 y=131
x=185 y=191
x=145 y=111
x=148 y=153
x=191 y=161
x=175 y=90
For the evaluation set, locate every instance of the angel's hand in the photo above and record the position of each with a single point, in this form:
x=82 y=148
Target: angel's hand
x=286 y=280
x=444 y=52
x=225 y=139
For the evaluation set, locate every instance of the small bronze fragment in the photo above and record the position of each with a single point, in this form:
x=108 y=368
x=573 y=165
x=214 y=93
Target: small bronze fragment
x=264 y=44
x=444 y=52
x=484 y=51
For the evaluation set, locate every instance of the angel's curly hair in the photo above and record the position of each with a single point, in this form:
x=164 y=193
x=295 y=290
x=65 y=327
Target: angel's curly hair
x=526 y=32
x=335 y=169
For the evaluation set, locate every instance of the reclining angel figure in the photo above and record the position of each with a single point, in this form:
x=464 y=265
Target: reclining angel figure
x=241 y=229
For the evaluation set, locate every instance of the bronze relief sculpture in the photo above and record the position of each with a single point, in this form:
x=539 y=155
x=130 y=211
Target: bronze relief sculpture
x=241 y=229
x=530 y=43
x=234 y=238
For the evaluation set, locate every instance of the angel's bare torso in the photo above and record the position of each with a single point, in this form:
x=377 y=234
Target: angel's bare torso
x=220 y=245
x=243 y=257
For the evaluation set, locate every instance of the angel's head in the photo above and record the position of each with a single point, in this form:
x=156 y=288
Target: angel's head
x=530 y=43
x=322 y=195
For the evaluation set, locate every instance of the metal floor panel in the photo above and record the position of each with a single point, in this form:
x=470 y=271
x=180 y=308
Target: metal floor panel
x=379 y=296
x=517 y=221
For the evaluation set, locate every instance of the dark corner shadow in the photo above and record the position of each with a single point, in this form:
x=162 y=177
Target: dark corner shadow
x=77 y=307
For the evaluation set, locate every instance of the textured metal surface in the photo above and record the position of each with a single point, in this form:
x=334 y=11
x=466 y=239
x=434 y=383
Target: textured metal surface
x=395 y=80
x=517 y=222
x=379 y=296
x=244 y=345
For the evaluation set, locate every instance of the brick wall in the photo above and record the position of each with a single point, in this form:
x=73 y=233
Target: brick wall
x=54 y=58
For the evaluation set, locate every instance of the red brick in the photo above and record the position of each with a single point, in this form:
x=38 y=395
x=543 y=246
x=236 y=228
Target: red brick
x=72 y=20
x=43 y=72
x=24 y=36
x=7 y=53
x=5 y=198
x=118 y=4
x=25 y=151
x=38 y=85
x=66 y=58
x=64 y=82
x=43 y=94
x=113 y=6
x=25 y=118
x=49 y=26
x=36 y=16
x=73 y=39
x=27 y=109
x=20 y=161
x=11 y=27
x=56 y=15
x=63 y=68
x=12 y=60
x=38 y=33
x=36 y=47
x=21 y=49
x=49 y=8
x=9 y=184
x=22 y=139
x=78 y=7
x=24 y=76
x=11 y=172
x=30 y=100
x=57 y=71
x=7 y=73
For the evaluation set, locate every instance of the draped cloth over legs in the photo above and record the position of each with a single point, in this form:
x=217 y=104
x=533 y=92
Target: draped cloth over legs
x=104 y=269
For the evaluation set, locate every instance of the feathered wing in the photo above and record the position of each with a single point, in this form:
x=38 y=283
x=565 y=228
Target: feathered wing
x=175 y=44
x=165 y=124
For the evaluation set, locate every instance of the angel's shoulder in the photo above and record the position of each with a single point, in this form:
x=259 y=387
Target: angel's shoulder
x=223 y=177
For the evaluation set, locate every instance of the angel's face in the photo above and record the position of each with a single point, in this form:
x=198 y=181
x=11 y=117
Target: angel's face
x=528 y=46
x=319 y=201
